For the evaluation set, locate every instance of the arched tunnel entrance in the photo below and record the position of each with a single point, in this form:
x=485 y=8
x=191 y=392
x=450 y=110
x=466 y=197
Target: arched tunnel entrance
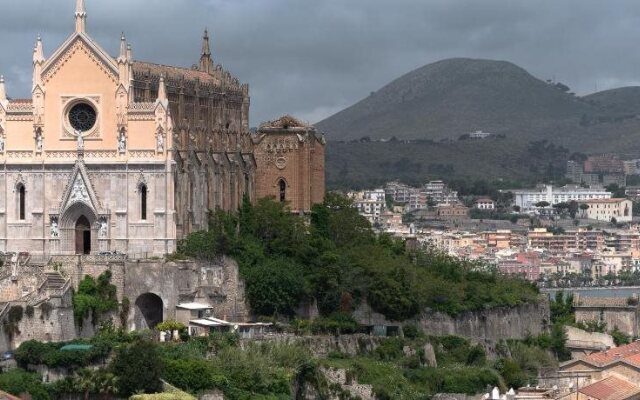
x=148 y=311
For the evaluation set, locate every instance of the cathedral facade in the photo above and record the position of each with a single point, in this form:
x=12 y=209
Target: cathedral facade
x=111 y=154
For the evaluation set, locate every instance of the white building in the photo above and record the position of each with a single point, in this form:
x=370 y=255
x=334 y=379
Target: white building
x=527 y=199
x=370 y=204
x=485 y=203
x=439 y=193
x=608 y=209
x=399 y=192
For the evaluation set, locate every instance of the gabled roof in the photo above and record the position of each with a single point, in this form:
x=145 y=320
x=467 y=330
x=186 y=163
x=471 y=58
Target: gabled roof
x=628 y=354
x=98 y=51
x=611 y=388
x=616 y=353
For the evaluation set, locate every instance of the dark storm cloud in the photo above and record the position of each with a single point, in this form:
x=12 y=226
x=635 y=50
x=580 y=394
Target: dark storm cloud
x=313 y=57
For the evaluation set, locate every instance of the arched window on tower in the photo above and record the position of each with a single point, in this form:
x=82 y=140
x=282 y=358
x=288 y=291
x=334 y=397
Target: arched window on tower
x=282 y=186
x=143 y=202
x=22 y=198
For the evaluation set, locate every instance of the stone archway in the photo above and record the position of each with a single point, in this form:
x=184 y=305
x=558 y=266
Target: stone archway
x=149 y=311
x=77 y=229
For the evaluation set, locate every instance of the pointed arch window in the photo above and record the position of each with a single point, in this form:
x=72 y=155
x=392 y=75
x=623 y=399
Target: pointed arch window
x=22 y=199
x=143 y=202
x=282 y=187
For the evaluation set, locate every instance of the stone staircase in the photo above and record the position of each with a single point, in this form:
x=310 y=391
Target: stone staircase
x=54 y=281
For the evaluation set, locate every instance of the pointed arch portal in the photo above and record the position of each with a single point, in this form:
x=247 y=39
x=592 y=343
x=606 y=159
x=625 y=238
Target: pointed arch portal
x=77 y=229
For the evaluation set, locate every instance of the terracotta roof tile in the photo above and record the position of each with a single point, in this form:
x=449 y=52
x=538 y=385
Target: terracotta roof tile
x=611 y=388
x=604 y=201
x=7 y=396
x=629 y=352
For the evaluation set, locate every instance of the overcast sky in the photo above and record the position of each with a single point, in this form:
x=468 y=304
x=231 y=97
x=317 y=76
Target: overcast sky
x=311 y=58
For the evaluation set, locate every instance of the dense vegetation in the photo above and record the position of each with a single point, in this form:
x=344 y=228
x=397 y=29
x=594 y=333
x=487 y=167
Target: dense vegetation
x=414 y=367
x=94 y=298
x=339 y=261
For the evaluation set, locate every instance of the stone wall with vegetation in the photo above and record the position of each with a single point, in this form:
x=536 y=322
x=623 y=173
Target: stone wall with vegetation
x=483 y=325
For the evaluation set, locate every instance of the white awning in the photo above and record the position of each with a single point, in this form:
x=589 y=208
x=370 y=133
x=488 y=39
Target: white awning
x=194 y=306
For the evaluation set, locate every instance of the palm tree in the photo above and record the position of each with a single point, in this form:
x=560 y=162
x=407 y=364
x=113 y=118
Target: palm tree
x=107 y=383
x=85 y=382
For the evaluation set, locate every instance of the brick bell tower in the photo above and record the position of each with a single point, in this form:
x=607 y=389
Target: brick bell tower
x=290 y=163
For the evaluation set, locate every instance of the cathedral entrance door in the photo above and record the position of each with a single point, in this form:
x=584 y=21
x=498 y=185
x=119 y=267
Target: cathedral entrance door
x=83 y=236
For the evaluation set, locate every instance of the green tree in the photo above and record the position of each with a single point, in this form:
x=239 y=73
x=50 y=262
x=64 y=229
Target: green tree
x=84 y=382
x=616 y=190
x=573 y=208
x=138 y=368
x=558 y=342
x=584 y=208
x=275 y=287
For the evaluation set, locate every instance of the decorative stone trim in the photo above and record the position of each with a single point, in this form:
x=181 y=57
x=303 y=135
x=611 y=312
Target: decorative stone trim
x=142 y=153
x=19 y=154
x=78 y=45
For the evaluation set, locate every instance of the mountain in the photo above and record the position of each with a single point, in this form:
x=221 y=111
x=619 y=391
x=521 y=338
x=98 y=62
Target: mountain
x=449 y=98
x=620 y=100
x=435 y=106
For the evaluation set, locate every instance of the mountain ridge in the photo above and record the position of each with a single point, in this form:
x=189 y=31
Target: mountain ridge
x=443 y=101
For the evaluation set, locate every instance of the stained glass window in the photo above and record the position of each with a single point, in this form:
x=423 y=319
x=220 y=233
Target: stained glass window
x=82 y=117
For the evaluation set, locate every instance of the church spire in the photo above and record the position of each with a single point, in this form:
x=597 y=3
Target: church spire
x=3 y=90
x=206 y=50
x=123 y=47
x=206 y=63
x=38 y=52
x=81 y=16
x=162 y=90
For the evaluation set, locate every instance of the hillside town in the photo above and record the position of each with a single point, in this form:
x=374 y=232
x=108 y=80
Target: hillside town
x=569 y=235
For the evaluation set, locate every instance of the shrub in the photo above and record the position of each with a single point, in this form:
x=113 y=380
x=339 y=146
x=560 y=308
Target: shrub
x=412 y=331
x=390 y=349
x=138 y=368
x=94 y=297
x=170 y=326
x=19 y=382
x=192 y=375
x=619 y=338
x=511 y=373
